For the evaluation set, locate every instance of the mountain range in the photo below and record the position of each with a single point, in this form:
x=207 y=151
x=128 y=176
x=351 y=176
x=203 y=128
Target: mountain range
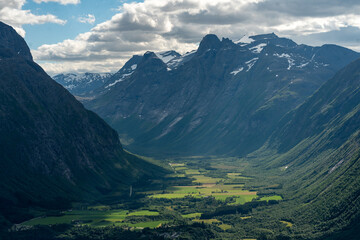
x=225 y=96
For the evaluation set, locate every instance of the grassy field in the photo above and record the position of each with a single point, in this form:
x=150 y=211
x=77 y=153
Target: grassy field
x=224 y=226
x=93 y=218
x=243 y=199
x=177 y=164
x=150 y=224
x=144 y=213
x=173 y=195
x=209 y=186
x=192 y=172
x=192 y=215
x=204 y=179
x=180 y=168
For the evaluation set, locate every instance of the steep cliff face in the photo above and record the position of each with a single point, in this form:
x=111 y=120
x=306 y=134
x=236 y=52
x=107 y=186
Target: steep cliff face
x=53 y=150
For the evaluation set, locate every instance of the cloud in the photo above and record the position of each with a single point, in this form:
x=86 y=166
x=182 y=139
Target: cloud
x=88 y=19
x=62 y=2
x=345 y=36
x=11 y=12
x=180 y=24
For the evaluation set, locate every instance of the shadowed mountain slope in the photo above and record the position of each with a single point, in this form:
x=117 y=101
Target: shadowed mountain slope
x=54 y=151
x=317 y=149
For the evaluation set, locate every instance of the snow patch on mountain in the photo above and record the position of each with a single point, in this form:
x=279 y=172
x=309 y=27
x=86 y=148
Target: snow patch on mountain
x=288 y=57
x=133 y=67
x=251 y=63
x=303 y=65
x=174 y=63
x=235 y=72
x=123 y=77
x=167 y=56
x=70 y=87
x=245 y=40
x=258 y=48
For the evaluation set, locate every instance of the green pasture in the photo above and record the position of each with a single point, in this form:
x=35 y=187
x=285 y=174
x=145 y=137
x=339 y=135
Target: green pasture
x=192 y=172
x=224 y=226
x=88 y=217
x=144 y=213
x=191 y=215
x=92 y=217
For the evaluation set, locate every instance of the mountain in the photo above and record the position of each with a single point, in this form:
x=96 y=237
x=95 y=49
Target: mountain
x=168 y=57
x=317 y=148
x=86 y=86
x=53 y=151
x=82 y=84
x=223 y=98
x=10 y=40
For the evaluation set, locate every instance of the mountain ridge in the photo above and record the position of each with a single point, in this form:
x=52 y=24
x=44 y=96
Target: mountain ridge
x=193 y=100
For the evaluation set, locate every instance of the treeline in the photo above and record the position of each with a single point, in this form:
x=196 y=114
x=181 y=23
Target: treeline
x=238 y=209
x=194 y=231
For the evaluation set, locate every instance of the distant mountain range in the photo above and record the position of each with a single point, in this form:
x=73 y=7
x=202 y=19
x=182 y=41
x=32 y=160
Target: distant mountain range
x=82 y=84
x=223 y=98
x=53 y=151
x=87 y=85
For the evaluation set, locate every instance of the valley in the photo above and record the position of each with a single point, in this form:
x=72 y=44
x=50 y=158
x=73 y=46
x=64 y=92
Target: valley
x=200 y=190
x=250 y=139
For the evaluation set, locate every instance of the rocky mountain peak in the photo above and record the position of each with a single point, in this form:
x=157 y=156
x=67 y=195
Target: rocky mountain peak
x=265 y=36
x=9 y=39
x=151 y=62
x=210 y=41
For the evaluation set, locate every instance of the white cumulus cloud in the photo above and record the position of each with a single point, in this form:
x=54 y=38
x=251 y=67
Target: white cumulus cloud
x=11 y=13
x=87 y=19
x=63 y=2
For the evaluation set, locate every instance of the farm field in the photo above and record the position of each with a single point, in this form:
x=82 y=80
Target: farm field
x=96 y=218
x=204 y=185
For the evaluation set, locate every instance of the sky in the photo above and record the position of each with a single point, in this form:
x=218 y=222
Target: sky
x=101 y=35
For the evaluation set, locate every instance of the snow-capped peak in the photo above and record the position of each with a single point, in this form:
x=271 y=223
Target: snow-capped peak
x=167 y=56
x=245 y=40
